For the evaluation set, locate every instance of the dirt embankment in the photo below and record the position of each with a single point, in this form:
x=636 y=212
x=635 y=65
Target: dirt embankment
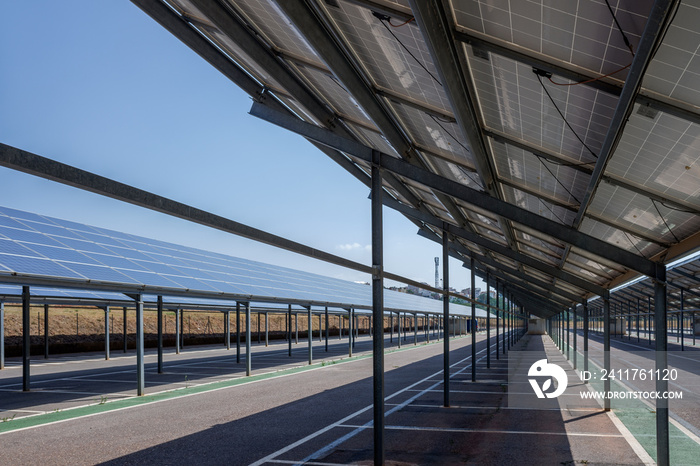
x=76 y=329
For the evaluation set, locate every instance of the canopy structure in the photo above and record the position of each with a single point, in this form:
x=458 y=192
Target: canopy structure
x=556 y=145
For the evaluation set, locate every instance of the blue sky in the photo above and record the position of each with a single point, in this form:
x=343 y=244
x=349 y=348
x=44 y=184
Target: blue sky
x=101 y=86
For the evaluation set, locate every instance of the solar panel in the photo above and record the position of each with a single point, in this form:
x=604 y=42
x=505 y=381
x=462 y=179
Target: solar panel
x=152 y=263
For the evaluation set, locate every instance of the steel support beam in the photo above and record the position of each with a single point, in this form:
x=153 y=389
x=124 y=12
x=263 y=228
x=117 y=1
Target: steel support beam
x=238 y=333
x=248 y=355
x=585 y=336
x=446 y=318
x=160 y=333
x=488 y=320
x=177 y=331
x=378 y=314
x=606 y=349
x=107 y=331
x=651 y=38
x=227 y=329
x=494 y=247
x=310 y=334
x=327 y=327
x=140 y=373
x=319 y=33
x=661 y=363
x=125 y=333
x=567 y=71
x=289 y=330
x=473 y=323
x=455 y=189
x=435 y=23
x=46 y=331
x=26 y=339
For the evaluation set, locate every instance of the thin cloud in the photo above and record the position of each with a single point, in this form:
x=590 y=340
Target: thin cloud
x=354 y=247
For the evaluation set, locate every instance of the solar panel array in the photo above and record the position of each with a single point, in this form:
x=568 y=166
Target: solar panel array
x=36 y=246
x=542 y=138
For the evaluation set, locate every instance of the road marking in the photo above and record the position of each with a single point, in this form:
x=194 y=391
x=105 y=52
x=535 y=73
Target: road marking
x=344 y=438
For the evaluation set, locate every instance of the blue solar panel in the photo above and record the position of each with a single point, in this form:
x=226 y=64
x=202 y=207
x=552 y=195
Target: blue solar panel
x=27 y=236
x=99 y=239
x=130 y=259
x=11 y=247
x=83 y=246
x=35 y=266
x=150 y=278
x=100 y=273
x=62 y=254
x=20 y=214
x=51 y=230
x=116 y=262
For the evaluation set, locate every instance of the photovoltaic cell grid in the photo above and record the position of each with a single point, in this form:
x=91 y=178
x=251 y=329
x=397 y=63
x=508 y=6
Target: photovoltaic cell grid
x=38 y=246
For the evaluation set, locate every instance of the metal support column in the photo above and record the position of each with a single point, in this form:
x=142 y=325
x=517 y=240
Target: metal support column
x=182 y=328
x=575 y=334
x=140 y=379
x=125 y=330
x=46 y=331
x=398 y=329
x=568 y=334
x=391 y=327
x=310 y=335
x=488 y=321
x=473 y=322
x=662 y=428
x=327 y=329
x=238 y=333
x=606 y=349
x=177 y=331
x=415 y=329
x=350 y=331
x=289 y=329
x=258 y=329
x=378 y=312
x=160 y=334
x=585 y=337
x=296 y=328
x=26 y=341
x=227 y=328
x=248 y=356
x=446 y=318
x=267 y=329
x=498 y=323
x=682 y=321
x=106 y=333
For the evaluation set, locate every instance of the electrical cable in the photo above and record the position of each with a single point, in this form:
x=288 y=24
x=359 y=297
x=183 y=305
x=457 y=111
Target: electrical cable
x=587 y=81
x=633 y=244
x=539 y=78
x=448 y=133
x=624 y=36
x=402 y=24
x=664 y=220
x=468 y=175
x=552 y=211
x=676 y=209
x=554 y=176
x=381 y=20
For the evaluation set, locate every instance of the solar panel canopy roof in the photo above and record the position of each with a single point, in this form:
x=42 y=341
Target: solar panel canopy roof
x=51 y=251
x=582 y=114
